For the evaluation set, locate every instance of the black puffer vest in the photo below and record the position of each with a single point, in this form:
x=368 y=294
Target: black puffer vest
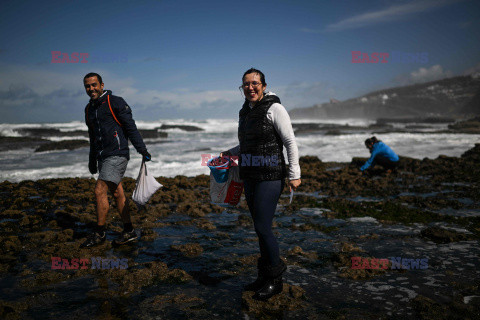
x=261 y=148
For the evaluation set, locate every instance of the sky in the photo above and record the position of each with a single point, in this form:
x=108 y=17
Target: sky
x=185 y=59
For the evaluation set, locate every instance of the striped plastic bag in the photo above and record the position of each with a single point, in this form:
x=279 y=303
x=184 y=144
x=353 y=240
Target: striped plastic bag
x=226 y=193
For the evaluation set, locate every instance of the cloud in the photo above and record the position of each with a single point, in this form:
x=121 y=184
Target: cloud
x=433 y=73
x=472 y=70
x=305 y=94
x=38 y=94
x=185 y=99
x=34 y=94
x=392 y=13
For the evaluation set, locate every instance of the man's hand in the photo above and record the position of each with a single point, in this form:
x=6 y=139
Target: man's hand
x=293 y=184
x=146 y=156
x=92 y=166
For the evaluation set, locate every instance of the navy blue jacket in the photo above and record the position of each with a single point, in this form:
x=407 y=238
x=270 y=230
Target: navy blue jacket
x=110 y=124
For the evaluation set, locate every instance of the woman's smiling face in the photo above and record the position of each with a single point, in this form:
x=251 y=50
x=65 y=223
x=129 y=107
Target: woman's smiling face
x=253 y=87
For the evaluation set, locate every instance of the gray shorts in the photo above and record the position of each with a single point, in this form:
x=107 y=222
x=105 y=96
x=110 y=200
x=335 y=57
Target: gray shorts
x=112 y=169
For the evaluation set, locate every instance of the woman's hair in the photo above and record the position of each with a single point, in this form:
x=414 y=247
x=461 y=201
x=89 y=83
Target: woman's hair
x=260 y=73
x=371 y=140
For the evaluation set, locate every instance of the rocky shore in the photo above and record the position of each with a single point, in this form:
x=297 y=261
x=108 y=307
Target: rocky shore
x=193 y=257
x=385 y=126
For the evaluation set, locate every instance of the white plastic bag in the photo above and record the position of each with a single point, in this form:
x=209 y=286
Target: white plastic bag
x=229 y=192
x=145 y=186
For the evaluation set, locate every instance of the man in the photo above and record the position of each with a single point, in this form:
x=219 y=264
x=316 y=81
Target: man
x=110 y=124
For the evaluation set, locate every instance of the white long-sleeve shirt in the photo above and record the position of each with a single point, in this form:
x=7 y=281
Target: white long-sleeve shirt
x=279 y=118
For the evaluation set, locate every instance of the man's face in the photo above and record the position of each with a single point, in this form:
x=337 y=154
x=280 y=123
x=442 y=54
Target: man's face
x=93 y=87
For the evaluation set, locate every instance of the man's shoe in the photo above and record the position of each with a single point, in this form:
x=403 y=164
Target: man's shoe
x=93 y=240
x=270 y=288
x=125 y=237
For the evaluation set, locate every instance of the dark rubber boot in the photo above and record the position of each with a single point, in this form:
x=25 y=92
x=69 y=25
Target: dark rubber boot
x=273 y=282
x=270 y=288
x=260 y=281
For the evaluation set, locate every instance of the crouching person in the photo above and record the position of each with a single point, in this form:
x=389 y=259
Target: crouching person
x=380 y=154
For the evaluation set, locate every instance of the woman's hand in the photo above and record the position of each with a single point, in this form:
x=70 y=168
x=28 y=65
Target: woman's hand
x=293 y=184
x=225 y=153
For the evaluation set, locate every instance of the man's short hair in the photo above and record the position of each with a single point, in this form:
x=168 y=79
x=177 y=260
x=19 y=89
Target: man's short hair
x=93 y=74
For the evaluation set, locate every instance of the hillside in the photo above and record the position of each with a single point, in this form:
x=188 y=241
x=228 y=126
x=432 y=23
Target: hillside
x=451 y=97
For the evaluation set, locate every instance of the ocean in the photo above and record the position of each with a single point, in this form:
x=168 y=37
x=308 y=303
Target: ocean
x=181 y=153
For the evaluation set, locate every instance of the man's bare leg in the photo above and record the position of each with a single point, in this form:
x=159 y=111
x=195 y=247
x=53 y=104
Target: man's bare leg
x=128 y=234
x=122 y=203
x=99 y=236
x=101 y=189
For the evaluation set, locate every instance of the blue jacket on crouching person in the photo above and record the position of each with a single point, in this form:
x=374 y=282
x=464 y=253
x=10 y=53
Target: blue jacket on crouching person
x=380 y=149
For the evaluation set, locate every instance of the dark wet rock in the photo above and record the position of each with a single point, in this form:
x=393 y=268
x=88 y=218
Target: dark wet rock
x=415 y=120
x=12 y=310
x=207 y=279
x=305 y=127
x=193 y=209
x=152 y=134
x=50 y=132
x=291 y=298
x=326 y=128
x=472 y=154
x=429 y=309
x=189 y=249
x=132 y=280
x=380 y=125
x=334 y=132
x=50 y=218
x=161 y=210
x=181 y=301
x=10 y=245
x=182 y=127
x=63 y=145
x=441 y=235
x=149 y=234
x=45 y=278
x=13 y=143
x=7 y=312
x=297 y=251
x=244 y=220
x=313 y=226
x=205 y=224
x=468 y=126
x=358 y=162
x=368 y=267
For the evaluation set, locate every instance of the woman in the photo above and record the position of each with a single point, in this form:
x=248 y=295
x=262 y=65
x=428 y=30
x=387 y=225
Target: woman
x=381 y=154
x=264 y=127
